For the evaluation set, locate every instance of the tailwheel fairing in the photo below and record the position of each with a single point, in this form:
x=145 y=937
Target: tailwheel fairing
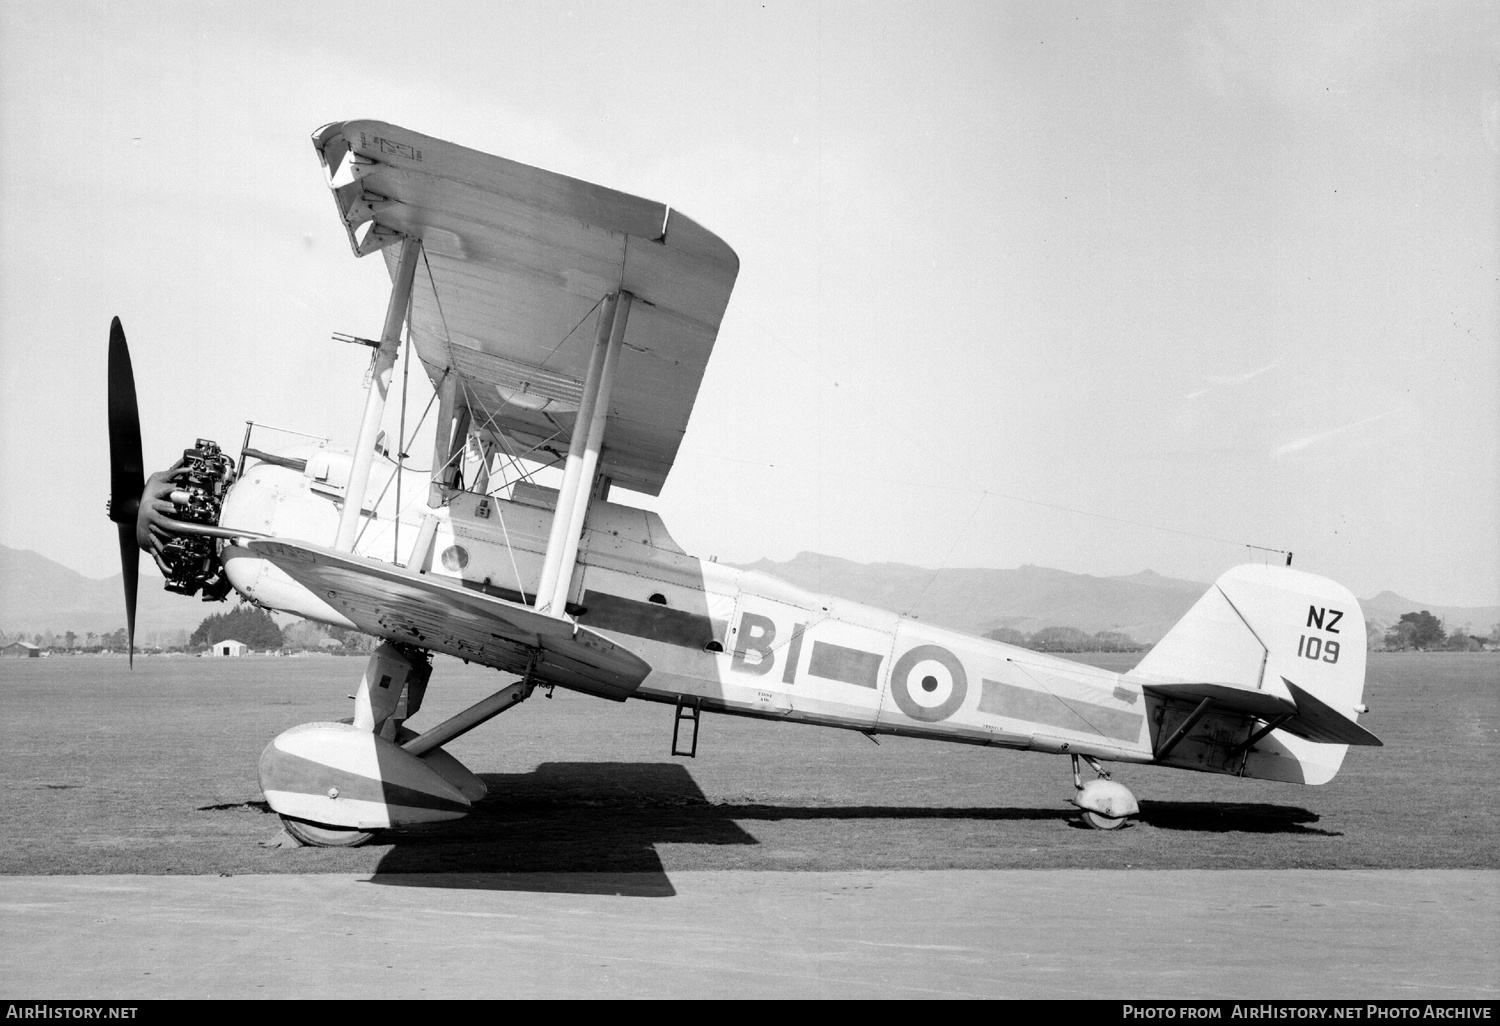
x=1104 y=803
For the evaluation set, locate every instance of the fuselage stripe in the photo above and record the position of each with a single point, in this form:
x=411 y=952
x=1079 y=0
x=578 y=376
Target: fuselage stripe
x=1031 y=706
x=650 y=620
x=849 y=665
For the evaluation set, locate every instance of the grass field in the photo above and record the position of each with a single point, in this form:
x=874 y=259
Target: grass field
x=153 y=771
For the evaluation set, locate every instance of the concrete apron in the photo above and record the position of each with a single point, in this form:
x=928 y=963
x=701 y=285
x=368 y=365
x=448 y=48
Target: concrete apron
x=948 y=933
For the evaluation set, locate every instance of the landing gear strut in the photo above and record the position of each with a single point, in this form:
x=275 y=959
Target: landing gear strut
x=1105 y=803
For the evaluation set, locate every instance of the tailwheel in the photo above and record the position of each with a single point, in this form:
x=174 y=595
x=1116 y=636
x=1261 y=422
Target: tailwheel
x=1104 y=803
x=317 y=835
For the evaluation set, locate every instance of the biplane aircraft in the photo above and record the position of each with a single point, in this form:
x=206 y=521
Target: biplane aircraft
x=493 y=262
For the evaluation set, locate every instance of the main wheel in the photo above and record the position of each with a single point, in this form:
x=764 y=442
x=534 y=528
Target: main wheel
x=1099 y=822
x=317 y=835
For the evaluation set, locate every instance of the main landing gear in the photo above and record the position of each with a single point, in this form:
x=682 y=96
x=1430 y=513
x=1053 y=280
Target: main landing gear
x=335 y=784
x=1105 y=804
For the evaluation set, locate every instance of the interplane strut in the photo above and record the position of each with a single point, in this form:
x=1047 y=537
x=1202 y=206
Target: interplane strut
x=583 y=456
x=380 y=383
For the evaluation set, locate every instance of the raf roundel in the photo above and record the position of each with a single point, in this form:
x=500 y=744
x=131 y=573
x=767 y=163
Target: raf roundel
x=929 y=683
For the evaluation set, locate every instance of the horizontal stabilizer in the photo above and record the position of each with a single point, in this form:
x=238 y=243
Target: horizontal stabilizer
x=433 y=613
x=1301 y=714
x=1227 y=697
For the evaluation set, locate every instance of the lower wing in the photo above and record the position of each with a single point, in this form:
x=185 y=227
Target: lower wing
x=437 y=614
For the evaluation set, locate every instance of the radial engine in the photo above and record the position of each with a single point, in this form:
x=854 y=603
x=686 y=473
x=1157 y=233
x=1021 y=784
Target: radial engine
x=195 y=487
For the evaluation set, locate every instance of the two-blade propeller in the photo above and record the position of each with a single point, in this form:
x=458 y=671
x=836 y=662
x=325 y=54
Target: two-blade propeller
x=127 y=476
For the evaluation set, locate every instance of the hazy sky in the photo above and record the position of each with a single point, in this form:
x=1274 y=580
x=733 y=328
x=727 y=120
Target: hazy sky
x=1224 y=269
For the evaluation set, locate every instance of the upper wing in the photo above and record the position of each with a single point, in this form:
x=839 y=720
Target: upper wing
x=516 y=260
x=433 y=613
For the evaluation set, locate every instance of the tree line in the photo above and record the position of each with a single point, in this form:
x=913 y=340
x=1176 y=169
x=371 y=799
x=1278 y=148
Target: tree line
x=257 y=630
x=88 y=641
x=1067 y=639
x=245 y=623
x=1423 y=632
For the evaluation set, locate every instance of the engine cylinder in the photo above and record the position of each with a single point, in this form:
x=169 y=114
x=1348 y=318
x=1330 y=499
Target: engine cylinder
x=191 y=561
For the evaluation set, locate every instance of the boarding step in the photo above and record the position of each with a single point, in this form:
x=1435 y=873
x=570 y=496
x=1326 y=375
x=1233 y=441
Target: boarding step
x=688 y=710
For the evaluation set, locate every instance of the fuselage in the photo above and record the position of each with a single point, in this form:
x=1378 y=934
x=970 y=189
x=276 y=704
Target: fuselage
x=729 y=640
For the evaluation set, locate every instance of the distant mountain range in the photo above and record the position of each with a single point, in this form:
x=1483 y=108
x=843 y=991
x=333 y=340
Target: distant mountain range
x=38 y=594
x=1028 y=598
x=1387 y=607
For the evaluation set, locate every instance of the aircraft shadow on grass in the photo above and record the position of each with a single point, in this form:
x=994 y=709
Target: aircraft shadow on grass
x=1232 y=817
x=593 y=827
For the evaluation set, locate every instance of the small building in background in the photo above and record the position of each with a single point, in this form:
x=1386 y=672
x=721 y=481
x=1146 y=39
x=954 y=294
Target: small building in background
x=229 y=647
x=20 y=649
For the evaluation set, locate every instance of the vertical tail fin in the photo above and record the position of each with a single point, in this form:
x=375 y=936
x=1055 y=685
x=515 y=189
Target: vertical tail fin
x=1272 y=637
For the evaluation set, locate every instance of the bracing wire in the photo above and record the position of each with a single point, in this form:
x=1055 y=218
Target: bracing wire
x=1070 y=706
x=569 y=335
x=946 y=556
x=520 y=585
x=514 y=460
x=959 y=473
x=971 y=485
x=994 y=494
